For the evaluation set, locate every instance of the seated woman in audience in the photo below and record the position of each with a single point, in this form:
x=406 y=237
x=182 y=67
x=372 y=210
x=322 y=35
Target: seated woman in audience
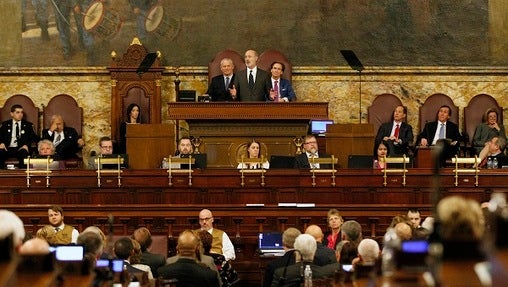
x=135 y=259
x=133 y=117
x=379 y=157
x=332 y=238
x=487 y=130
x=253 y=151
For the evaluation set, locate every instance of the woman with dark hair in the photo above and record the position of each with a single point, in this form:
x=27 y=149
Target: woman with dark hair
x=379 y=158
x=133 y=117
x=253 y=150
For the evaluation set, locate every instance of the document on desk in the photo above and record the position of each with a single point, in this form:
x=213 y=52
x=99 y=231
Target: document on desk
x=305 y=205
x=287 y=204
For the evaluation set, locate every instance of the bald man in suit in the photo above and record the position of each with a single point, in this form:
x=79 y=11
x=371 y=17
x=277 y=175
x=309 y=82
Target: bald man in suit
x=251 y=84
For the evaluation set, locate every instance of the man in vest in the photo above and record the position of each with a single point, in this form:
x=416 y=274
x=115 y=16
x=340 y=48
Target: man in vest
x=57 y=233
x=221 y=244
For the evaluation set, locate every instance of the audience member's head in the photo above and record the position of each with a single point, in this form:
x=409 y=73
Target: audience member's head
x=106 y=145
x=334 y=219
x=307 y=246
x=144 y=237
x=351 y=230
x=496 y=145
x=368 y=251
x=206 y=219
x=404 y=231
x=57 y=123
x=185 y=146
x=55 y=215
x=92 y=242
x=398 y=219
x=136 y=252
x=11 y=224
x=133 y=111
x=34 y=246
x=188 y=244
x=315 y=231
x=45 y=148
x=289 y=236
x=123 y=248
x=413 y=215
x=227 y=66
x=99 y=232
x=253 y=149
x=345 y=252
x=206 y=240
x=461 y=219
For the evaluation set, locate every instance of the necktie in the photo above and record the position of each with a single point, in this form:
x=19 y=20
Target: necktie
x=227 y=83
x=397 y=130
x=57 y=229
x=17 y=130
x=276 y=90
x=441 y=132
x=251 y=80
x=58 y=139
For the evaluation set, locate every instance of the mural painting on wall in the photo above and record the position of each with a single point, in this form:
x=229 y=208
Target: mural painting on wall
x=312 y=32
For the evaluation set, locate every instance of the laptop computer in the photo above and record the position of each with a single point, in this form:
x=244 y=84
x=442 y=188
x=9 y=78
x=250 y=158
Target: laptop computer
x=270 y=243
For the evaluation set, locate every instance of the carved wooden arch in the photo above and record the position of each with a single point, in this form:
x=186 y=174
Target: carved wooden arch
x=381 y=110
x=130 y=85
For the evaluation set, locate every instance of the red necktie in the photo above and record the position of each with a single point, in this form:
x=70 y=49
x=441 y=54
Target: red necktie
x=276 y=90
x=397 y=130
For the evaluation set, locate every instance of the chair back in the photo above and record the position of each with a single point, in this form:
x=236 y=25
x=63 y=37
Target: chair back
x=66 y=106
x=430 y=108
x=381 y=110
x=266 y=59
x=30 y=110
x=214 y=65
x=474 y=113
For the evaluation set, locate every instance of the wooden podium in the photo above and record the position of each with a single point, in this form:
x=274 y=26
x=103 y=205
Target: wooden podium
x=343 y=140
x=147 y=144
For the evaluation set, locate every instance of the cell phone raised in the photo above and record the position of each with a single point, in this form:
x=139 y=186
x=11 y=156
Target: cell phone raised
x=69 y=252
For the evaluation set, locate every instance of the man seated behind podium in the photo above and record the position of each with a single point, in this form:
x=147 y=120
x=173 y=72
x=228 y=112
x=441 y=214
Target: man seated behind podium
x=186 y=150
x=106 y=150
x=310 y=147
x=66 y=140
x=397 y=134
x=442 y=129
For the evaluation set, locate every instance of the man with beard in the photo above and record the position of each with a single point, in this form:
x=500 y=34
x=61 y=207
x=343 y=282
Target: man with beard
x=57 y=233
x=310 y=146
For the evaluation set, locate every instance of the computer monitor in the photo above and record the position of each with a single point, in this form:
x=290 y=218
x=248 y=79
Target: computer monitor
x=318 y=127
x=187 y=96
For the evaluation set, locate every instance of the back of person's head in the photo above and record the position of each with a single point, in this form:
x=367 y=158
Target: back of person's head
x=144 y=237
x=501 y=142
x=92 y=243
x=11 y=224
x=99 y=232
x=461 y=219
x=398 y=219
x=352 y=231
x=34 y=246
x=136 y=253
x=123 y=248
x=307 y=246
x=368 y=250
x=188 y=243
x=206 y=240
x=289 y=236
x=346 y=251
x=315 y=231
x=403 y=231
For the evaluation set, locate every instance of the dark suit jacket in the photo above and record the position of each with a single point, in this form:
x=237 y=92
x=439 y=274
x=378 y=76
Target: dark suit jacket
x=189 y=273
x=405 y=134
x=293 y=275
x=68 y=147
x=153 y=260
x=452 y=131
x=218 y=91
x=286 y=90
x=285 y=260
x=27 y=134
x=302 y=161
x=324 y=255
x=258 y=92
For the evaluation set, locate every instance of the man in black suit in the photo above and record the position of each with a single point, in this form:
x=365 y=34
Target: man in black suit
x=251 y=84
x=310 y=147
x=397 y=134
x=324 y=255
x=186 y=269
x=66 y=140
x=442 y=129
x=288 y=241
x=219 y=87
x=16 y=137
x=124 y=249
x=144 y=237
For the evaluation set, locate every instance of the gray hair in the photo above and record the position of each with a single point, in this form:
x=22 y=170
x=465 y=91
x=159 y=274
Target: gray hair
x=368 y=249
x=306 y=244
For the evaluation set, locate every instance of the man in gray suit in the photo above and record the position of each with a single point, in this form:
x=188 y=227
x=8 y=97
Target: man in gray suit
x=251 y=84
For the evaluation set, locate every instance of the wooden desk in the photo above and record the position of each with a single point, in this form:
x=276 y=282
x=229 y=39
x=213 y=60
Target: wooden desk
x=225 y=127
